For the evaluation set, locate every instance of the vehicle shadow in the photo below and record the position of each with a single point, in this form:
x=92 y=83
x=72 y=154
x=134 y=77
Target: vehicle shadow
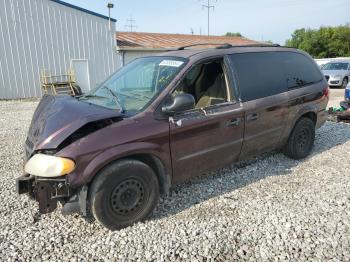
x=239 y=175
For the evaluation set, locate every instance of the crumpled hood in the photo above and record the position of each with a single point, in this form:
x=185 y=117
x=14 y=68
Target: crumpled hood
x=334 y=72
x=57 y=117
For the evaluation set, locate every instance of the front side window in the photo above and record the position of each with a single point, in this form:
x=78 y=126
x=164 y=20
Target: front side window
x=207 y=83
x=336 y=66
x=137 y=84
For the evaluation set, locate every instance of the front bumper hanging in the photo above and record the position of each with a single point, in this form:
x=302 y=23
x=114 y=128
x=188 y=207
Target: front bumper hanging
x=47 y=191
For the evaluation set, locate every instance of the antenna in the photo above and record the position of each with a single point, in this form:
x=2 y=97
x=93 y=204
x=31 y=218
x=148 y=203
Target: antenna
x=209 y=7
x=130 y=23
x=192 y=31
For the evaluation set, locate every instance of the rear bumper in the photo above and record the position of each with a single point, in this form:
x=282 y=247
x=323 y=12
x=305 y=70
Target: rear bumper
x=46 y=191
x=321 y=118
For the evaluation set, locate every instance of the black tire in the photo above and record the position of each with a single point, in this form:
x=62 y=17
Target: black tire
x=123 y=193
x=301 y=140
x=77 y=90
x=344 y=83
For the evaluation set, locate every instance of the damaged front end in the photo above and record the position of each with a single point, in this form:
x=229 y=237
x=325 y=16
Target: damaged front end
x=46 y=191
x=57 y=123
x=49 y=191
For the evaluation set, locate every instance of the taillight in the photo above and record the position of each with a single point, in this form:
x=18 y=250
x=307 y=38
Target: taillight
x=326 y=91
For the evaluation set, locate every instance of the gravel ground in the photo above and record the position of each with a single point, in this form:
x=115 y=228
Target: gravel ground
x=271 y=208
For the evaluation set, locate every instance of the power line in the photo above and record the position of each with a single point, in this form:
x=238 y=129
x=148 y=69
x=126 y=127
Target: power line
x=209 y=7
x=130 y=24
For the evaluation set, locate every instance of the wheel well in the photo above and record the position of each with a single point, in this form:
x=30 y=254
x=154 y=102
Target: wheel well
x=310 y=115
x=156 y=164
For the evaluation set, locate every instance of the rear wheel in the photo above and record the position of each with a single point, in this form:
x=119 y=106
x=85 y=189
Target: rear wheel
x=301 y=140
x=123 y=193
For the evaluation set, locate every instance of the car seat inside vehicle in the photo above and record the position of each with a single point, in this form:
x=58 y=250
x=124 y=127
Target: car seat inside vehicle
x=215 y=94
x=206 y=82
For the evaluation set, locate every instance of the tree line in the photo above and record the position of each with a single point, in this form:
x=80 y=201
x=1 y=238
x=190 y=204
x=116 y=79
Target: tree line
x=325 y=42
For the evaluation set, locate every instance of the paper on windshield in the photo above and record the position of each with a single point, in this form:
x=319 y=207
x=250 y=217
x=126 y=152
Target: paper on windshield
x=172 y=63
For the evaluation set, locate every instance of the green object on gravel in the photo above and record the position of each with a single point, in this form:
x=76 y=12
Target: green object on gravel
x=337 y=109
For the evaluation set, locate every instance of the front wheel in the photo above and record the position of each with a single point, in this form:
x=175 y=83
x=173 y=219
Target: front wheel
x=344 y=83
x=123 y=193
x=301 y=140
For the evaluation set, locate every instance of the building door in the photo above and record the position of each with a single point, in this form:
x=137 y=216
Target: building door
x=82 y=75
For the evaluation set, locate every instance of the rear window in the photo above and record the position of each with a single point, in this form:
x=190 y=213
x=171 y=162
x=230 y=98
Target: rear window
x=270 y=73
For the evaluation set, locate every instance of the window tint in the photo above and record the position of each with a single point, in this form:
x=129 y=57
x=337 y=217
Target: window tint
x=259 y=74
x=300 y=70
x=270 y=73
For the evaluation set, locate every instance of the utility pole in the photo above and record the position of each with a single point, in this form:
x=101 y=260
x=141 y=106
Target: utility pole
x=130 y=24
x=109 y=6
x=209 y=7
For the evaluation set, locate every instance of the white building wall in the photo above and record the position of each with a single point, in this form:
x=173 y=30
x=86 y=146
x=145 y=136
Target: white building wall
x=42 y=34
x=127 y=56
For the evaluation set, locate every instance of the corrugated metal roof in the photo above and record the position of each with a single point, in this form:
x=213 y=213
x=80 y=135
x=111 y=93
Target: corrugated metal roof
x=137 y=40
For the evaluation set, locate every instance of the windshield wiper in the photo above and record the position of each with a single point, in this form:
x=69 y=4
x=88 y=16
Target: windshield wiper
x=115 y=97
x=87 y=96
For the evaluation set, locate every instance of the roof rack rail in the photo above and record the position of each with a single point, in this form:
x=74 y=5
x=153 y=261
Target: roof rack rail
x=258 y=45
x=225 y=46
x=220 y=46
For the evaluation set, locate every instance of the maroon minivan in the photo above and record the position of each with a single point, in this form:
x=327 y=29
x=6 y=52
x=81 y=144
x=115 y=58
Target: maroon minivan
x=163 y=119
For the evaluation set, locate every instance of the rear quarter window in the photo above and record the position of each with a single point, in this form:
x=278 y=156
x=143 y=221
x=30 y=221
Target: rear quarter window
x=300 y=70
x=269 y=73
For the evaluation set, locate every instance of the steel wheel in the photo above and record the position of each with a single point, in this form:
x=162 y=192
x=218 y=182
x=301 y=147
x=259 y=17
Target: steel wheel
x=127 y=197
x=123 y=193
x=301 y=139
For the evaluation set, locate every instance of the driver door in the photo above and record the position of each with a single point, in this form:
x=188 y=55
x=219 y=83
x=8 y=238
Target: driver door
x=205 y=139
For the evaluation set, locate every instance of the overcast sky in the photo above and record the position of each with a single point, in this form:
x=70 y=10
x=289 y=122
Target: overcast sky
x=273 y=20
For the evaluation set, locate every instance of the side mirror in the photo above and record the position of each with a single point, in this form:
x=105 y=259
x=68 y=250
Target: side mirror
x=181 y=102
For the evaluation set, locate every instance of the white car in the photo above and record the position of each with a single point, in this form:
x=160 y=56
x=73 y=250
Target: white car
x=337 y=73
